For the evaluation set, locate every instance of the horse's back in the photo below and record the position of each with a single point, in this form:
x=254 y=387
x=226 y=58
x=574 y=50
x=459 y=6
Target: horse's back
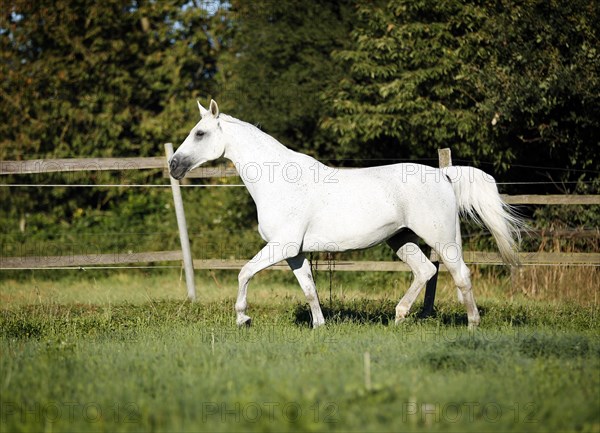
x=360 y=208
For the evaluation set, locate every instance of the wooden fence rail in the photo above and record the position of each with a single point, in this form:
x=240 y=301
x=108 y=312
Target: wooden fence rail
x=552 y=199
x=120 y=259
x=40 y=166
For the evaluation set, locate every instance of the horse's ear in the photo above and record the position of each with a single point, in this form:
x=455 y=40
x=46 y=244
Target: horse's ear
x=214 y=108
x=203 y=110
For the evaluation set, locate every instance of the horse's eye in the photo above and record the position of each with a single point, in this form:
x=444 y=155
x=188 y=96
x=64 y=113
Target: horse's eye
x=199 y=134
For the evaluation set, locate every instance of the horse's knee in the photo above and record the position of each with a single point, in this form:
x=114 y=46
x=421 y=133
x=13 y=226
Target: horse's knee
x=244 y=275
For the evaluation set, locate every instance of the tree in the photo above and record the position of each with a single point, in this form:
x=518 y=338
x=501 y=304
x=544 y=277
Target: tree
x=500 y=82
x=409 y=89
x=89 y=78
x=278 y=63
x=543 y=87
x=86 y=78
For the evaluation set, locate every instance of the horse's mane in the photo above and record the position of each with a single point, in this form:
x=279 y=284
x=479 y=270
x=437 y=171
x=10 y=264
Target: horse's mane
x=231 y=119
x=253 y=130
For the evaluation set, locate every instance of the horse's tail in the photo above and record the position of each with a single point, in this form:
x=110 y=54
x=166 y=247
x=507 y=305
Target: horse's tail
x=477 y=196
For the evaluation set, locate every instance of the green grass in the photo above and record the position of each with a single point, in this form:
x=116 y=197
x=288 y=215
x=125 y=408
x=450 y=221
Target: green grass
x=132 y=355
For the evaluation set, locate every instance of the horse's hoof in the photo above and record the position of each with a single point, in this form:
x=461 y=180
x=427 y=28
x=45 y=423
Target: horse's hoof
x=400 y=320
x=244 y=321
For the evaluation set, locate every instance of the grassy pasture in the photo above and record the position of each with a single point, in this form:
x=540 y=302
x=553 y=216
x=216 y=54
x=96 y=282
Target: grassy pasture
x=125 y=352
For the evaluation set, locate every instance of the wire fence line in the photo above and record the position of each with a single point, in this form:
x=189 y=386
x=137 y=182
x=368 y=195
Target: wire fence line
x=112 y=185
x=150 y=185
x=580 y=231
x=522 y=199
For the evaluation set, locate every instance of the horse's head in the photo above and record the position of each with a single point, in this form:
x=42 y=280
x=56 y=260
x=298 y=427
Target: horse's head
x=205 y=142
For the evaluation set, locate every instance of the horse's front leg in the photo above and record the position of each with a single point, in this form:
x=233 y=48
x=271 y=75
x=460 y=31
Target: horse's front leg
x=271 y=254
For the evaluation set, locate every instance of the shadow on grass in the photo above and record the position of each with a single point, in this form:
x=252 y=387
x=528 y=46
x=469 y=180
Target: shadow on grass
x=364 y=311
x=380 y=312
x=375 y=311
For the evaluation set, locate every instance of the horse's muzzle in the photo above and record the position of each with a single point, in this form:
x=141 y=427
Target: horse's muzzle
x=177 y=167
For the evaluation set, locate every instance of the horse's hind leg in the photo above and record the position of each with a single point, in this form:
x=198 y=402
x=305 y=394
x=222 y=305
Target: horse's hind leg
x=422 y=269
x=452 y=258
x=447 y=244
x=301 y=268
x=458 y=237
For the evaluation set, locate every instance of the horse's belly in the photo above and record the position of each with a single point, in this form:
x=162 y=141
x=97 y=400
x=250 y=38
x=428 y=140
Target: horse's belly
x=357 y=215
x=344 y=233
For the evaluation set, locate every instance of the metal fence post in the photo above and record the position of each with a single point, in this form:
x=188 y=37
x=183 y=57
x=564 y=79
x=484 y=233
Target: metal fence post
x=188 y=264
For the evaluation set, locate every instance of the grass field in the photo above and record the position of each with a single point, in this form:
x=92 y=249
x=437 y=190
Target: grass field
x=126 y=352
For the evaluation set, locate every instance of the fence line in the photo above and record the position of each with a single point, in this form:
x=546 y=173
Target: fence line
x=111 y=185
x=103 y=261
x=34 y=166
x=100 y=260
x=84 y=260
x=552 y=199
x=40 y=166
x=546 y=199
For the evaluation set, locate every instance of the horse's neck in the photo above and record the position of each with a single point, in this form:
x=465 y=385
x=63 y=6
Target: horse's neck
x=256 y=156
x=250 y=150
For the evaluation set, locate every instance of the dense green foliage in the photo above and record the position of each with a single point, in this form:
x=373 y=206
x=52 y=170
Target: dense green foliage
x=80 y=79
x=100 y=79
x=544 y=82
x=279 y=64
x=410 y=90
x=499 y=82
x=512 y=87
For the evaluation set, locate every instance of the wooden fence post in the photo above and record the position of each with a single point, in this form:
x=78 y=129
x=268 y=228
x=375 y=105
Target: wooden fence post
x=188 y=264
x=445 y=160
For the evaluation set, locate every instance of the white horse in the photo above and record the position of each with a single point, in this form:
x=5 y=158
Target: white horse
x=305 y=206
